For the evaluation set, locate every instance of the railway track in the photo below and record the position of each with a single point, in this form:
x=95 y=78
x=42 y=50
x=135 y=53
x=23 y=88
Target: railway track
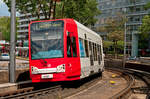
x=144 y=76
x=62 y=92
x=46 y=93
x=126 y=91
x=105 y=90
x=30 y=91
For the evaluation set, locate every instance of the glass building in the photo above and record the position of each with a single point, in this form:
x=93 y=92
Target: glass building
x=134 y=12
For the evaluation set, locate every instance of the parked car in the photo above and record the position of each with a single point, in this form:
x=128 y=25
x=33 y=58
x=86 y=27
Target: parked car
x=5 y=56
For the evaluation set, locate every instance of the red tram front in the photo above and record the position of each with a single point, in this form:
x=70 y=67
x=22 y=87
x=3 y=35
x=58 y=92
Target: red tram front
x=54 y=50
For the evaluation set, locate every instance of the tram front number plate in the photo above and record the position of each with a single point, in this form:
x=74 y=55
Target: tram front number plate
x=45 y=76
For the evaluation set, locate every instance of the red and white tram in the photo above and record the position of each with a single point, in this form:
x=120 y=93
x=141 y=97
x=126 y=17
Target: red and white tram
x=63 y=50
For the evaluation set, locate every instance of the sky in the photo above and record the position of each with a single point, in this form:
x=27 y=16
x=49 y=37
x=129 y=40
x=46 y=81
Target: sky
x=3 y=9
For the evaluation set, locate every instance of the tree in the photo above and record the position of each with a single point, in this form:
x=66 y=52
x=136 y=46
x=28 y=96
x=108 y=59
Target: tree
x=5 y=28
x=115 y=29
x=83 y=11
x=147 y=6
x=144 y=33
x=107 y=45
x=144 y=30
x=35 y=7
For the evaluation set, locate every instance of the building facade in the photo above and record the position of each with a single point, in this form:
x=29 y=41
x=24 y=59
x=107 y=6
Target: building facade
x=134 y=12
x=24 y=20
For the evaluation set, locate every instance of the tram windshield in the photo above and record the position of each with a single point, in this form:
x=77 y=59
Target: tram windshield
x=47 y=39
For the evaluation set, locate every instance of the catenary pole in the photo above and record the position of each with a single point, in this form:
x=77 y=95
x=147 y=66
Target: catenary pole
x=12 y=43
x=124 y=56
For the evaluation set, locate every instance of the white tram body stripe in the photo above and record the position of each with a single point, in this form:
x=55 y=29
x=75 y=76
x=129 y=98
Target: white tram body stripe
x=91 y=36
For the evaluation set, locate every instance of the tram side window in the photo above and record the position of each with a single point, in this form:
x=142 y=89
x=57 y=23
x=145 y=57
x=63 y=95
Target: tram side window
x=90 y=46
x=100 y=52
x=93 y=51
x=86 y=48
x=82 y=52
x=96 y=52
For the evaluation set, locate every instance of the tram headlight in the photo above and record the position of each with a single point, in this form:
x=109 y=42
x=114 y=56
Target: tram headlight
x=34 y=70
x=61 y=68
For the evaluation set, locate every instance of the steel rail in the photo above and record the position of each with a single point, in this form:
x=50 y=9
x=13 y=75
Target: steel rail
x=35 y=94
x=126 y=90
x=143 y=75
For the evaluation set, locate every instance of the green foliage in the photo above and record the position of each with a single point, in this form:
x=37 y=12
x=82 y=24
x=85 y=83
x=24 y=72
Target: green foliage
x=34 y=7
x=5 y=28
x=120 y=45
x=83 y=11
x=144 y=33
x=115 y=29
x=144 y=29
x=147 y=6
x=107 y=44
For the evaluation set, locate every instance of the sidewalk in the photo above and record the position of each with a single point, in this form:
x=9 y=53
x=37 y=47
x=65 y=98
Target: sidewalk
x=8 y=87
x=5 y=87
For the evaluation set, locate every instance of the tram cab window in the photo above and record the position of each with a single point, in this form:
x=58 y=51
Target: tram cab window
x=82 y=51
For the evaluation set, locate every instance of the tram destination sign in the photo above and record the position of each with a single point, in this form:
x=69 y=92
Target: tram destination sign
x=46 y=25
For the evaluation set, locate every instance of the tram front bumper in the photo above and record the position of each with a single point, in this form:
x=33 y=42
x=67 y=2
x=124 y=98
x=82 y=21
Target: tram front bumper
x=58 y=69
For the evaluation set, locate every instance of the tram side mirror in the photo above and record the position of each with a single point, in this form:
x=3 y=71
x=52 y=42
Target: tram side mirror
x=68 y=34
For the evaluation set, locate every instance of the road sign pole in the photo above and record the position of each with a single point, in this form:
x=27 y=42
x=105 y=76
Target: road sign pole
x=12 y=43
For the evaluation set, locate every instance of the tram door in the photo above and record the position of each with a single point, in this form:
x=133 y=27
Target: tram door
x=72 y=53
x=91 y=54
